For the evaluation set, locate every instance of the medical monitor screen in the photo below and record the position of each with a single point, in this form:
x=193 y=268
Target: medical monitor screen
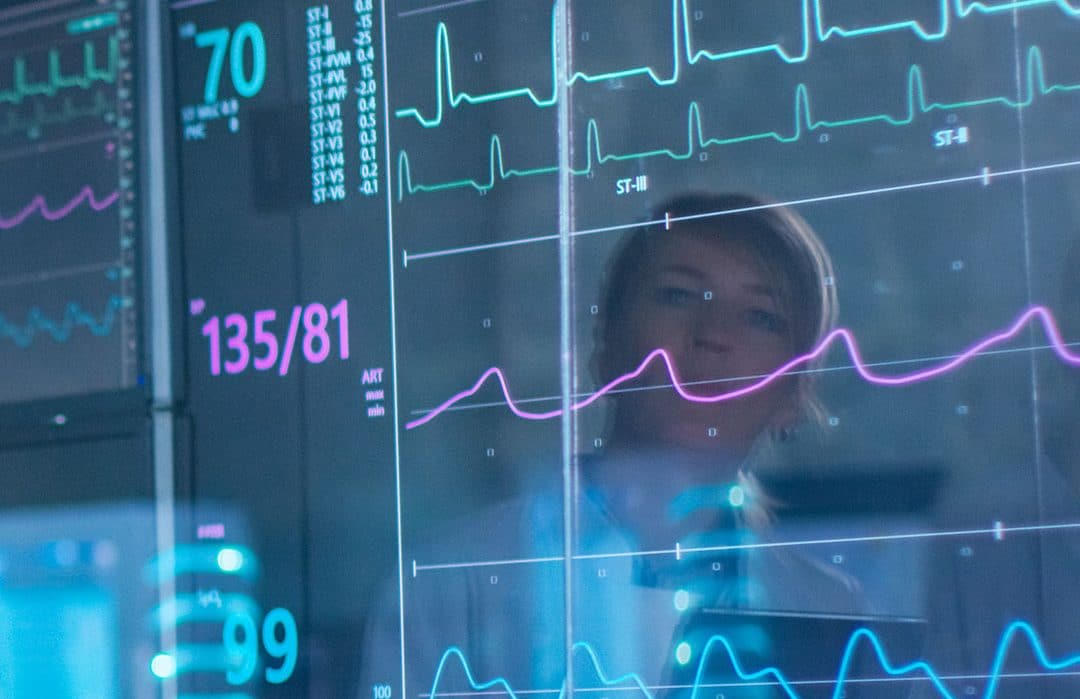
x=655 y=349
x=69 y=233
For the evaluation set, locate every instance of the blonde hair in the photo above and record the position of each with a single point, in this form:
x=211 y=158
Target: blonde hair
x=781 y=240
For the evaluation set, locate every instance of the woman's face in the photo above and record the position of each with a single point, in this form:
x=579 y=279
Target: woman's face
x=712 y=306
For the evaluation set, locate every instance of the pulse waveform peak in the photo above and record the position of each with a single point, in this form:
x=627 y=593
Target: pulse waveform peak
x=918 y=670
x=86 y=194
x=74 y=316
x=841 y=335
x=813 y=25
x=803 y=123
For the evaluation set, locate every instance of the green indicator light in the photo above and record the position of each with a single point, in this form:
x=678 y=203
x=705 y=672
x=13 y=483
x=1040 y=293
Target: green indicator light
x=92 y=24
x=682 y=653
x=736 y=496
x=682 y=600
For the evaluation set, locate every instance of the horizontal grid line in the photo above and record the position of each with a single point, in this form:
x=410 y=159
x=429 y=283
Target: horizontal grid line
x=997 y=532
x=980 y=177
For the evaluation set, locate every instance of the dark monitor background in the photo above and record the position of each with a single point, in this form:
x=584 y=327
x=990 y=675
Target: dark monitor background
x=419 y=442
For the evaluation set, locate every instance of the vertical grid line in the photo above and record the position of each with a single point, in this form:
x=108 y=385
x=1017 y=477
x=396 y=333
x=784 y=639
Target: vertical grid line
x=567 y=373
x=393 y=342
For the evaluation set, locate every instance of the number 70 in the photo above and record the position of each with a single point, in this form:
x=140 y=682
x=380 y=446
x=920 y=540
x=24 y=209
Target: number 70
x=219 y=41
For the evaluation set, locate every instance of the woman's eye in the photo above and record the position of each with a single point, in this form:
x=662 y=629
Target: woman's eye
x=767 y=320
x=675 y=296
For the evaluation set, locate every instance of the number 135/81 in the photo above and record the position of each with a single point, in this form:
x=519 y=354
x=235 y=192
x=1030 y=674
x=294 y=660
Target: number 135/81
x=264 y=351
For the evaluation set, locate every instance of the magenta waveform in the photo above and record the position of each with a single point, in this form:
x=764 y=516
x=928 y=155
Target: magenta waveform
x=38 y=204
x=1043 y=314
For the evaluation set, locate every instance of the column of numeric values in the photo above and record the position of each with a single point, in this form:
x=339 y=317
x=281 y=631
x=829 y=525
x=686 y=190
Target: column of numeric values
x=367 y=119
x=327 y=90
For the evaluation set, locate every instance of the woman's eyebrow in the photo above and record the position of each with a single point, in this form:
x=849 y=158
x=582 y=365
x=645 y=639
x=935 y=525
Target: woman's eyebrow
x=683 y=269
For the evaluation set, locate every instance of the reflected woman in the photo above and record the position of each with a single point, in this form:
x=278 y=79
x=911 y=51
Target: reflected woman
x=731 y=289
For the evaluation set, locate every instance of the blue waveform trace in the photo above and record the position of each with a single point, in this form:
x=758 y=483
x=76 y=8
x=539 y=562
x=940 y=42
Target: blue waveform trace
x=73 y=317
x=803 y=123
x=776 y=675
x=814 y=28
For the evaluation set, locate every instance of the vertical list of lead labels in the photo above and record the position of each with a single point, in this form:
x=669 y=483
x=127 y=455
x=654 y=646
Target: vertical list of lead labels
x=327 y=89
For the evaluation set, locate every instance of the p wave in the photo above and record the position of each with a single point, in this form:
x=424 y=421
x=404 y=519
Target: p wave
x=62 y=330
x=863 y=640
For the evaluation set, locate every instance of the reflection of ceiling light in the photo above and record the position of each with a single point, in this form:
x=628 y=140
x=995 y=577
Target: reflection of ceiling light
x=230 y=560
x=66 y=552
x=682 y=653
x=163 y=665
x=105 y=554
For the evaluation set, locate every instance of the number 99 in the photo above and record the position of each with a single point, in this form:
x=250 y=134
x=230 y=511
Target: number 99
x=241 y=642
x=241 y=654
x=285 y=649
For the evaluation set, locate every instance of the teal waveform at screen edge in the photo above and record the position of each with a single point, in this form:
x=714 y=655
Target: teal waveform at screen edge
x=919 y=670
x=74 y=316
x=99 y=106
x=803 y=123
x=813 y=27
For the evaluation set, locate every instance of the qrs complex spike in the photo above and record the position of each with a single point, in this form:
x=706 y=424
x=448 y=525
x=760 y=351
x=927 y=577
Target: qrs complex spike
x=803 y=123
x=840 y=335
x=919 y=670
x=813 y=25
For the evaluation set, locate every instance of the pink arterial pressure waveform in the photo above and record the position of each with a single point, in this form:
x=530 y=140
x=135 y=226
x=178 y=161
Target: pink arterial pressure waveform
x=842 y=335
x=86 y=195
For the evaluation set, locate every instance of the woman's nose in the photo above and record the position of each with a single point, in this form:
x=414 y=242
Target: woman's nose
x=715 y=327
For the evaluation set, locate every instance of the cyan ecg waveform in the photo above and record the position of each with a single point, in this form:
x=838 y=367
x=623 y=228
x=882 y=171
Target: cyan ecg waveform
x=814 y=29
x=918 y=670
x=74 y=316
x=803 y=123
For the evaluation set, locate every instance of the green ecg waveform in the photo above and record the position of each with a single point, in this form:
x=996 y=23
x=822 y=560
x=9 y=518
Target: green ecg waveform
x=814 y=28
x=23 y=86
x=68 y=112
x=803 y=123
